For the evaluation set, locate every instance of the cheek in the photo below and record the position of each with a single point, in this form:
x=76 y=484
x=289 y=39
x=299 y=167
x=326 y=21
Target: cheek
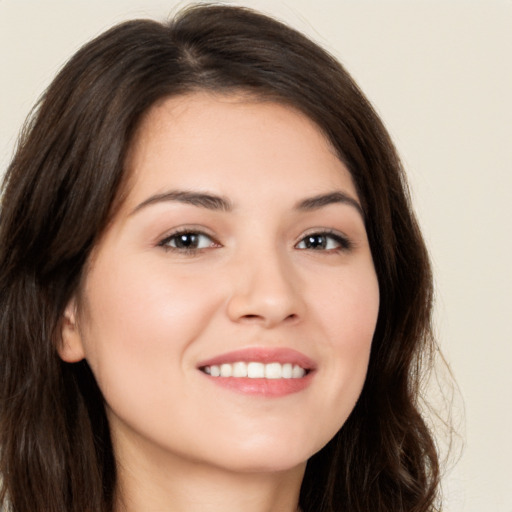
x=138 y=325
x=350 y=309
x=348 y=316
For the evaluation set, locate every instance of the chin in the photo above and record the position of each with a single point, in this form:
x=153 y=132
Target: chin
x=271 y=456
x=256 y=464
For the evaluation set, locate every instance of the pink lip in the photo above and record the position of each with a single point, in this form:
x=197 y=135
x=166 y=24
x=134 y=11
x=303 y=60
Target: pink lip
x=262 y=355
x=262 y=387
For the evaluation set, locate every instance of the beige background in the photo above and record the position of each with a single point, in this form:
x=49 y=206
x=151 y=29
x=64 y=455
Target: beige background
x=440 y=74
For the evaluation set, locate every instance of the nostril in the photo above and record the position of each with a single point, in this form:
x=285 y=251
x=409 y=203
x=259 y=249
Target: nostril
x=291 y=318
x=251 y=317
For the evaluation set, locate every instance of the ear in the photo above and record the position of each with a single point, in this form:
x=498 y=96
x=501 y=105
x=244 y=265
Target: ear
x=70 y=348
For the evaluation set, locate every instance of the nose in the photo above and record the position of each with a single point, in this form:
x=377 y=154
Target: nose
x=265 y=291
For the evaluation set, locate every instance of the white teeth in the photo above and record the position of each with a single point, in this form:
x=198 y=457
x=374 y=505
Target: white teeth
x=240 y=370
x=226 y=370
x=256 y=370
x=298 y=372
x=287 y=371
x=273 y=371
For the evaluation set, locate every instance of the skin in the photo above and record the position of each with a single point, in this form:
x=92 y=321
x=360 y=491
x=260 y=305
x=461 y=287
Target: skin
x=150 y=312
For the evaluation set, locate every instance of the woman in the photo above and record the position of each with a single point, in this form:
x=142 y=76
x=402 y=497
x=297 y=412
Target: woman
x=213 y=290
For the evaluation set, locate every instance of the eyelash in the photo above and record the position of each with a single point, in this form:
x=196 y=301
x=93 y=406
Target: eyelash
x=342 y=243
x=186 y=250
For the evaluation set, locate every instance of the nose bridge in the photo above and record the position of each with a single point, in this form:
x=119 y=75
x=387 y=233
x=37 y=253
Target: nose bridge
x=265 y=288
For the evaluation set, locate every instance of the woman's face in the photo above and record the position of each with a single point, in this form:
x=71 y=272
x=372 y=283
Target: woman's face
x=240 y=250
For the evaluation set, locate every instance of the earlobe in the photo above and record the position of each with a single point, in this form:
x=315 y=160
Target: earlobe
x=70 y=348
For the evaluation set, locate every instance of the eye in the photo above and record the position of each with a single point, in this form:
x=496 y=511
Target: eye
x=324 y=241
x=187 y=241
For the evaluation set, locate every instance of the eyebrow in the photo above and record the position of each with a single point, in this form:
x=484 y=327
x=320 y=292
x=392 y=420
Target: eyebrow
x=208 y=201
x=219 y=203
x=317 y=202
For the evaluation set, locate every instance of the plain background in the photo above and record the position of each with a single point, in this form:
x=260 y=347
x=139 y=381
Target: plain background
x=440 y=75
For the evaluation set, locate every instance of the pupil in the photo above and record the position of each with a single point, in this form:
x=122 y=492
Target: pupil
x=316 y=241
x=186 y=240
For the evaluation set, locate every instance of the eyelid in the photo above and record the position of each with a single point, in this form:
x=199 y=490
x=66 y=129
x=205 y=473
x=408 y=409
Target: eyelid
x=345 y=243
x=163 y=241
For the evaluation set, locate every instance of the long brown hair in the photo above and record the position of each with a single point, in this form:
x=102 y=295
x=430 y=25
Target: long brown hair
x=64 y=184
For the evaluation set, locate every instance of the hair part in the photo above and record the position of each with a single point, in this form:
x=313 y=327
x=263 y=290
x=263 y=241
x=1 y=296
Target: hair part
x=65 y=183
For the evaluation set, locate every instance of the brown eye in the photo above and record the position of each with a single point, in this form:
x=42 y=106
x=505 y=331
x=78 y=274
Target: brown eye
x=315 y=242
x=187 y=241
x=323 y=242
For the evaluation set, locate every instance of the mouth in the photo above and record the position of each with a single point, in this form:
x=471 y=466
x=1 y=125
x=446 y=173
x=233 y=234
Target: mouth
x=261 y=371
x=256 y=370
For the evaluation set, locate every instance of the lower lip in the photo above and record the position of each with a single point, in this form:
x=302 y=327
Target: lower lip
x=263 y=387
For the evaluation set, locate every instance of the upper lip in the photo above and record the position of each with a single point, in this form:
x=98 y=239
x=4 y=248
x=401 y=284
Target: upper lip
x=262 y=355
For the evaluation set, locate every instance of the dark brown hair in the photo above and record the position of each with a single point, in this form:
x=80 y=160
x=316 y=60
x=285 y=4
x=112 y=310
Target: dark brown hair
x=60 y=191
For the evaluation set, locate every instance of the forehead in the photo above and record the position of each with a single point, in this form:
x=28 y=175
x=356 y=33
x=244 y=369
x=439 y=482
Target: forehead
x=203 y=140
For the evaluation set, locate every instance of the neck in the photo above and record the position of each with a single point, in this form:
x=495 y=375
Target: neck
x=188 y=486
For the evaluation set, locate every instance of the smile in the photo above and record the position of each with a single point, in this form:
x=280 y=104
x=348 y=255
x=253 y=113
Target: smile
x=256 y=370
x=260 y=371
